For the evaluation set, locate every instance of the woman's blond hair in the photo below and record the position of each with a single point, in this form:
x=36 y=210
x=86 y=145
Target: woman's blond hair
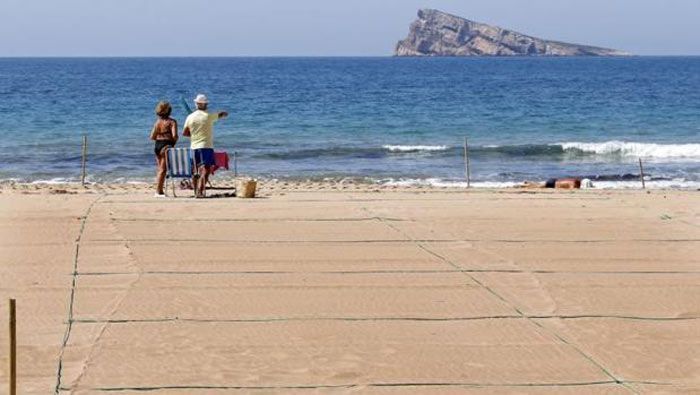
x=164 y=109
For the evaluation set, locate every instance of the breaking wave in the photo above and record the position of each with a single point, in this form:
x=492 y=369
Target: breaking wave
x=415 y=148
x=601 y=183
x=644 y=150
x=610 y=149
x=358 y=152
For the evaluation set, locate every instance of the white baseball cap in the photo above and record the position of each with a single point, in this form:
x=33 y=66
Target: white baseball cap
x=201 y=99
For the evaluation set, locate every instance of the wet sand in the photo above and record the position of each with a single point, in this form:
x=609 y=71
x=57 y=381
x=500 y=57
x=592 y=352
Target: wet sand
x=352 y=289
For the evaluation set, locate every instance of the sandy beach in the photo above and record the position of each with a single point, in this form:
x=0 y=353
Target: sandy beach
x=334 y=288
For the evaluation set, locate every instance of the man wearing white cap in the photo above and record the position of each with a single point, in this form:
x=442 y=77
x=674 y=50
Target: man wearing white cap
x=199 y=126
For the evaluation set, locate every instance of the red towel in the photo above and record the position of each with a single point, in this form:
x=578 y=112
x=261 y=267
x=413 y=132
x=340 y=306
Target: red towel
x=220 y=161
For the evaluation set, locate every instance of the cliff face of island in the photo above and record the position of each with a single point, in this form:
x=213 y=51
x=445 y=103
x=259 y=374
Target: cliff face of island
x=436 y=33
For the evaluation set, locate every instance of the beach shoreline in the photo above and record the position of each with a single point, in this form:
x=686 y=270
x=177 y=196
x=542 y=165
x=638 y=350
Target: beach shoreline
x=271 y=187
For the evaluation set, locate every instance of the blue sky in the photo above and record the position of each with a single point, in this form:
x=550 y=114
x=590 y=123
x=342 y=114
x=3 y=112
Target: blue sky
x=324 y=27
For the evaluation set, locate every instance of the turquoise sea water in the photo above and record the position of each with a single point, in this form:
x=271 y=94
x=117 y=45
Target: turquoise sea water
x=382 y=119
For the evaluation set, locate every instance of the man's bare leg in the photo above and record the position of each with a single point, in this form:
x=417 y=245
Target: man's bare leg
x=202 y=181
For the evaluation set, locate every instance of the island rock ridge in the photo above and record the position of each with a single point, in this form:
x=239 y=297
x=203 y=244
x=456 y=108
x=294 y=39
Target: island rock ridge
x=436 y=33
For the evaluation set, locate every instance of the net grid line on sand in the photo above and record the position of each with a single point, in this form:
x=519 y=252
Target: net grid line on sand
x=420 y=243
x=605 y=370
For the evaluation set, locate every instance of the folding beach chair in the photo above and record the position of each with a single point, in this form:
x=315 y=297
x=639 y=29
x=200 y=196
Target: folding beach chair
x=179 y=162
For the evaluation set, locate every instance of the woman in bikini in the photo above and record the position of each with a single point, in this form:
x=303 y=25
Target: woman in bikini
x=164 y=133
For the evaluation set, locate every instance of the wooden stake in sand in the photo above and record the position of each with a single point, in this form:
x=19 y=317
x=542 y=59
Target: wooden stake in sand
x=467 y=164
x=13 y=349
x=641 y=174
x=83 y=173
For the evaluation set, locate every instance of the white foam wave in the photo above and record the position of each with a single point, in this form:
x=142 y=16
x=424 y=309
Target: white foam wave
x=659 y=184
x=440 y=183
x=415 y=148
x=644 y=150
x=56 y=181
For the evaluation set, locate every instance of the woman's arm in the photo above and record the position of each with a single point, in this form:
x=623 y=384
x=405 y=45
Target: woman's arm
x=153 y=131
x=173 y=130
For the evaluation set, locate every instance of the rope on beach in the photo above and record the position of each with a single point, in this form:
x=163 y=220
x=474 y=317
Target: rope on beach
x=374 y=319
x=509 y=303
x=365 y=272
x=394 y=241
x=376 y=385
x=261 y=220
x=525 y=316
x=71 y=302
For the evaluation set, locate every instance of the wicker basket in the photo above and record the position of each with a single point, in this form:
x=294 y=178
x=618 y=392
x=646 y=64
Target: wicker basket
x=245 y=189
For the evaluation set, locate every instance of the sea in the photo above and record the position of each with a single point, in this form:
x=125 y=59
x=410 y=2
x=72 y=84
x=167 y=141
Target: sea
x=388 y=120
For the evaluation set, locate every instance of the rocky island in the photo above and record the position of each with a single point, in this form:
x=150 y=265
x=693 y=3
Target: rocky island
x=436 y=33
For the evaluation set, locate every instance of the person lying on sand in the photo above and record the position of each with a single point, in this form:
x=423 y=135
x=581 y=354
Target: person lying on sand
x=553 y=183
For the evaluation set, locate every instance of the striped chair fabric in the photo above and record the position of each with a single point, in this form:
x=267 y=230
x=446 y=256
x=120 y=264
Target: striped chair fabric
x=179 y=162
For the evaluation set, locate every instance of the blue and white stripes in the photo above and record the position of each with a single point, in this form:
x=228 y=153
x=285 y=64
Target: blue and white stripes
x=179 y=162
